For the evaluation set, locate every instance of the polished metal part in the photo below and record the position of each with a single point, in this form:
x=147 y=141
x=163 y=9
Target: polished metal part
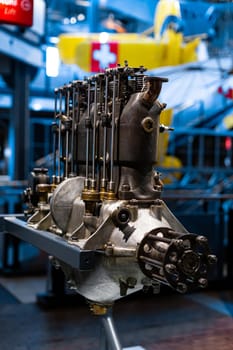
x=110 y=341
x=110 y=208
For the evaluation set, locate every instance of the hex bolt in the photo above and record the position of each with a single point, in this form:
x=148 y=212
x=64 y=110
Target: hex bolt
x=156 y=287
x=146 y=282
x=212 y=259
x=123 y=287
x=109 y=247
x=170 y=268
x=179 y=243
x=182 y=288
x=187 y=243
x=173 y=257
x=201 y=240
x=203 y=282
x=125 y=187
x=131 y=282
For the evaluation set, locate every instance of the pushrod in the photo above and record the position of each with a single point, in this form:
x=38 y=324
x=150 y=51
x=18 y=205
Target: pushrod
x=59 y=135
x=67 y=132
x=94 y=131
x=105 y=128
x=54 y=134
x=87 y=127
x=113 y=128
x=72 y=129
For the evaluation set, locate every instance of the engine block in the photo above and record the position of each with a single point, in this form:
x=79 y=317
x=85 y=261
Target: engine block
x=104 y=193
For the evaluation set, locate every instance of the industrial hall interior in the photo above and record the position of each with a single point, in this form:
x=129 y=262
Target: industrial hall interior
x=116 y=175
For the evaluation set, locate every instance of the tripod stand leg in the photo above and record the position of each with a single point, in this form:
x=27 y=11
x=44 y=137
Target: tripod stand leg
x=111 y=341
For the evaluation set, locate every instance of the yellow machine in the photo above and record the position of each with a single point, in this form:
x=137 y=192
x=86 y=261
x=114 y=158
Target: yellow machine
x=93 y=52
x=165 y=160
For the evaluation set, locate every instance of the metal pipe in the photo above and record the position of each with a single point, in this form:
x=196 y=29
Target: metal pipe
x=67 y=131
x=87 y=129
x=59 y=136
x=160 y=239
x=105 y=129
x=94 y=130
x=113 y=128
x=54 y=133
x=72 y=130
x=67 y=154
x=110 y=332
x=201 y=151
x=151 y=261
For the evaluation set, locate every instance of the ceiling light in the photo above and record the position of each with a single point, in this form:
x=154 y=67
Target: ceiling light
x=73 y=20
x=81 y=17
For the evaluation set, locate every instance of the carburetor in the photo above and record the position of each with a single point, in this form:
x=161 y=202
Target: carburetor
x=104 y=193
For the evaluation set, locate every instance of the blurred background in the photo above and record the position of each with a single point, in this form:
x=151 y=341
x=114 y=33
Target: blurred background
x=46 y=44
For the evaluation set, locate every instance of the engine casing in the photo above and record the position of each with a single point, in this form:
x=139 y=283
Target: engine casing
x=105 y=193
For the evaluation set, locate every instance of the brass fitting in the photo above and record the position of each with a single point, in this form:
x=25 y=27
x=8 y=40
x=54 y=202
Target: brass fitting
x=99 y=309
x=43 y=190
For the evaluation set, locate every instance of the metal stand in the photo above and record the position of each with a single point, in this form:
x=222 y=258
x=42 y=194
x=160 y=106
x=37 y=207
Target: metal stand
x=72 y=255
x=109 y=340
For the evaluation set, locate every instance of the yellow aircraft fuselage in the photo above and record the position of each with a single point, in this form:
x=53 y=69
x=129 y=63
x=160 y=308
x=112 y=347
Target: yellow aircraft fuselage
x=93 y=52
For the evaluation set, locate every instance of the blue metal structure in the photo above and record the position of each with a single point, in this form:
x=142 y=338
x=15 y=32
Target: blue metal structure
x=190 y=106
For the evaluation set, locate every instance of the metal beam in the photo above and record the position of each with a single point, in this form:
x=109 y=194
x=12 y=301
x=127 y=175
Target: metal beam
x=19 y=123
x=50 y=243
x=21 y=50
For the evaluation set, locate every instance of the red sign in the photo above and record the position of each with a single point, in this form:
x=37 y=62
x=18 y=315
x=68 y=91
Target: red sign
x=103 y=56
x=19 y=12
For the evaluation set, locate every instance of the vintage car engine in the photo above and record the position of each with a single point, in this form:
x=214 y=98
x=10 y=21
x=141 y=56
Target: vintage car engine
x=104 y=193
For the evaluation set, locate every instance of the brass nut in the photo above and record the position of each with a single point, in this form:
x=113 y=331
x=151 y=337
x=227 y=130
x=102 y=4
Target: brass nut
x=43 y=188
x=98 y=309
x=90 y=195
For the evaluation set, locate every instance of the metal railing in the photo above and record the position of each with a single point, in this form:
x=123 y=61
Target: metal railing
x=206 y=157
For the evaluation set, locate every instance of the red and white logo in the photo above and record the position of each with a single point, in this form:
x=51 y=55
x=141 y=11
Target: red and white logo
x=103 y=56
x=26 y=5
